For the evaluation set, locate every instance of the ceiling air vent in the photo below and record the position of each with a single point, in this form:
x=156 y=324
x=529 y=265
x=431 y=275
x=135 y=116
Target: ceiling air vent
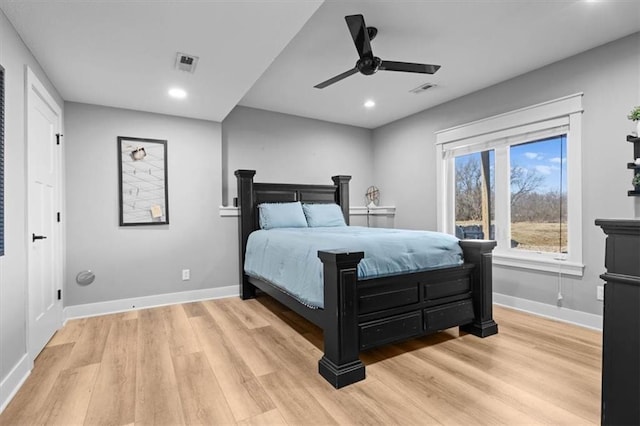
x=422 y=88
x=186 y=62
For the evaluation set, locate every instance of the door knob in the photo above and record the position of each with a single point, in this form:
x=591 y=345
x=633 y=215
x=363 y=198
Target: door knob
x=35 y=237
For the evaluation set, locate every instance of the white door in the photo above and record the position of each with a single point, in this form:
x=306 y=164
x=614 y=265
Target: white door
x=44 y=118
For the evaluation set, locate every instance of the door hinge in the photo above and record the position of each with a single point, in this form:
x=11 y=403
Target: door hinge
x=58 y=136
x=58 y=217
x=59 y=294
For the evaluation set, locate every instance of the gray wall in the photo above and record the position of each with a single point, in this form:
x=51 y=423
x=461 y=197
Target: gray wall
x=14 y=56
x=144 y=260
x=286 y=148
x=404 y=156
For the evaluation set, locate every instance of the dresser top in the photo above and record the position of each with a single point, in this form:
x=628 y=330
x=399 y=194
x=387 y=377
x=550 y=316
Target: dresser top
x=619 y=226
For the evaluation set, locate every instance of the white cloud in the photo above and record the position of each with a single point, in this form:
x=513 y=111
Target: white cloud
x=558 y=160
x=544 y=170
x=532 y=155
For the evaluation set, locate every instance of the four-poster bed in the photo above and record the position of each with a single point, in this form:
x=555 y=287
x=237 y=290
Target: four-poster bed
x=362 y=314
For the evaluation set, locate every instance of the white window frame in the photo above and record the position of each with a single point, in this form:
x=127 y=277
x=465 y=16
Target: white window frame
x=552 y=118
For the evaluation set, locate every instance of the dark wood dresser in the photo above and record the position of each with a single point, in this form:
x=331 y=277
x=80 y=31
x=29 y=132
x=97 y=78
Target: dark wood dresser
x=621 y=323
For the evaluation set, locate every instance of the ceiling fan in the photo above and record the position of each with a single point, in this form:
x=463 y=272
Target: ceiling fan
x=368 y=63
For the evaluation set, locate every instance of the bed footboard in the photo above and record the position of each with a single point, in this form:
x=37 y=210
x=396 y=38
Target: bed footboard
x=464 y=298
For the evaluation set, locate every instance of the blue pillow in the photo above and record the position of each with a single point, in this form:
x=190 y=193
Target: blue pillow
x=323 y=215
x=281 y=215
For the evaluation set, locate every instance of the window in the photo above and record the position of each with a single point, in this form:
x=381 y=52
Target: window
x=516 y=178
x=1 y=161
x=538 y=171
x=475 y=195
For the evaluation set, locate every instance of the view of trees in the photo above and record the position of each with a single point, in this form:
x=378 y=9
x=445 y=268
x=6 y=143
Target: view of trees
x=469 y=191
x=529 y=203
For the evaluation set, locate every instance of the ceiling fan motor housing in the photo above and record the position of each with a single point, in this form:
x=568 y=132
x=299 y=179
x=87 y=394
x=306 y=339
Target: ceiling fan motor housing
x=368 y=66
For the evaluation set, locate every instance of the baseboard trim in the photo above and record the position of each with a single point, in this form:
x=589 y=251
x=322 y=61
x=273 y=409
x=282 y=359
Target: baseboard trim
x=14 y=381
x=583 y=319
x=135 y=303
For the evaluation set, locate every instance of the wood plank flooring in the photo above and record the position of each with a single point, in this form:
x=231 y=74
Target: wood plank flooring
x=254 y=362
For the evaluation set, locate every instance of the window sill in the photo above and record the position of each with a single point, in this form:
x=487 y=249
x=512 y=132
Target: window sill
x=372 y=211
x=538 y=263
x=229 y=211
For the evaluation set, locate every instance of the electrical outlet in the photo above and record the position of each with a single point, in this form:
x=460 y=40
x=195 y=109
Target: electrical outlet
x=600 y=292
x=186 y=274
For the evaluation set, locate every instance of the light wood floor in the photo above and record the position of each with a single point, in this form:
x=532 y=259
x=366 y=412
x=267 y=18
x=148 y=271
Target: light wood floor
x=254 y=362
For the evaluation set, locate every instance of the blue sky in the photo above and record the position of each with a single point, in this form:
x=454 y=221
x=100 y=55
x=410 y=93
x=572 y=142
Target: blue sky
x=548 y=157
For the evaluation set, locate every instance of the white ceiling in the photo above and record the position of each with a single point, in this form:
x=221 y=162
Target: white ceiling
x=122 y=53
x=477 y=43
x=270 y=54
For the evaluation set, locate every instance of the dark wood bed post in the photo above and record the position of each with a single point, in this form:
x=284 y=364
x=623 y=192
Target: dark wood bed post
x=246 y=223
x=342 y=194
x=340 y=364
x=478 y=252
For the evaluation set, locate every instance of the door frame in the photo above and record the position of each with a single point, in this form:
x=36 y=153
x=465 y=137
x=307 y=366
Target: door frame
x=34 y=87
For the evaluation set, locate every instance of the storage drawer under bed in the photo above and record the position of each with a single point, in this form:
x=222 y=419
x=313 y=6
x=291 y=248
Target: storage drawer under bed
x=386 y=293
x=450 y=287
x=449 y=315
x=415 y=323
x=390 y=329
x=387 y=296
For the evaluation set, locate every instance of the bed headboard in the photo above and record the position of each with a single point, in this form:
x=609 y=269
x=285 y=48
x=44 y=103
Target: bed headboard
x=251 y=193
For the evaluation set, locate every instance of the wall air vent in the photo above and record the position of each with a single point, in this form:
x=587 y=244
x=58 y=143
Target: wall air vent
x=185 y=62
x=422 y=88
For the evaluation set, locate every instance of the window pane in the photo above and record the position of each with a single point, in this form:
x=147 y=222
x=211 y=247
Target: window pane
x=475 y=195
x=539 y=195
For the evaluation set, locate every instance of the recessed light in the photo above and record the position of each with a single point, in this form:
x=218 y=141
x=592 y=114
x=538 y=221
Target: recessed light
x=369 y=104
x=177 y=93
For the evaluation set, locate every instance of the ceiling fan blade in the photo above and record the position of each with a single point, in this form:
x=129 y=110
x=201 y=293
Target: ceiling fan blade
x=337 y=78
x=360 y=35
x=408 y=67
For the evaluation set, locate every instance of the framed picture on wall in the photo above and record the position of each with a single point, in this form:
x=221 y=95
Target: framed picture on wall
x=142 y=181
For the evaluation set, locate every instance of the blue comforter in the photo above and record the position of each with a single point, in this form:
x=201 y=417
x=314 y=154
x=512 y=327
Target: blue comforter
x=288 y=257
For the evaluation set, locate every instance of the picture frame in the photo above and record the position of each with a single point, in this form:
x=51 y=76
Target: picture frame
x=142 y=181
